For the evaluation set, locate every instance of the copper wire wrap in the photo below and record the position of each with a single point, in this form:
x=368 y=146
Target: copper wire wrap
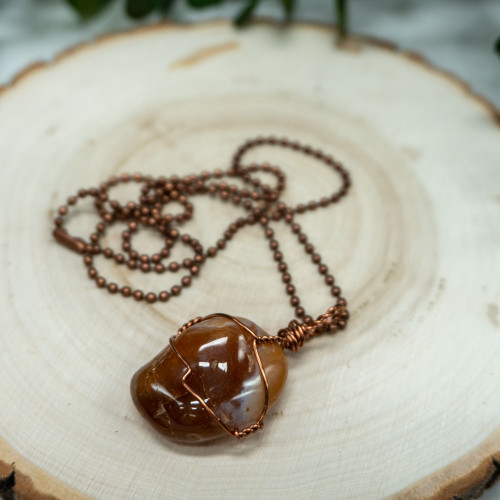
x=295 y=334
x=189 y=324
x=256 y=340
x=262 y=205
x=248 y=430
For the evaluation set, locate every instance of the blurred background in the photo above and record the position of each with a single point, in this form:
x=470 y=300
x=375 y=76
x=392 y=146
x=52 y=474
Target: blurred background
x=456 y=35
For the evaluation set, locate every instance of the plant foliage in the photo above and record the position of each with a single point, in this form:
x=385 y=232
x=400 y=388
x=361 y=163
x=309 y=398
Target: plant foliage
x=138 y=9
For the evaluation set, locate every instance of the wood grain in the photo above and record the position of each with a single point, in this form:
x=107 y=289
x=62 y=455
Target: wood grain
x=404 y=402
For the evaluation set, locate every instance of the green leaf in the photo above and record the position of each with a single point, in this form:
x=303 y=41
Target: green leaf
x=88 y=8
x=497 y=46
x=342 y=17
x=243 y=17
x=164 y=6
x=288 y=6
x=140 y=8
x=203 y=3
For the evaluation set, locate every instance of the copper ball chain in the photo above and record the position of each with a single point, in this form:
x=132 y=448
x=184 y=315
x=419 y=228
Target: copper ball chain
x=261 y=201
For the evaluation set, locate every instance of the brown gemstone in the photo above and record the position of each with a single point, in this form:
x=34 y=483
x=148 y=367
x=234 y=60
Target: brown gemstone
x=224 y=374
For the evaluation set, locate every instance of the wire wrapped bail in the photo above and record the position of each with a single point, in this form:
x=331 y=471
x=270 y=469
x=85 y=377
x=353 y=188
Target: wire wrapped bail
x=295 y=334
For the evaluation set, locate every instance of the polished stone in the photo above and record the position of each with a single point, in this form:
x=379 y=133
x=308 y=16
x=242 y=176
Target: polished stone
x=225 y=374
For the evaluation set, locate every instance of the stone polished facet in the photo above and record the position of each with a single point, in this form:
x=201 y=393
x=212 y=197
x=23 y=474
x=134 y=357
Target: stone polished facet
x=225 y=374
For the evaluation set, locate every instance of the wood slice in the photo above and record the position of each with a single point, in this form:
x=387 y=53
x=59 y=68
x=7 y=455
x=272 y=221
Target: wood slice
x=403 y=402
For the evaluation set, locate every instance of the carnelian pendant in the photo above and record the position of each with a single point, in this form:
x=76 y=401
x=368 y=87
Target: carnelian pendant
x=214 y=378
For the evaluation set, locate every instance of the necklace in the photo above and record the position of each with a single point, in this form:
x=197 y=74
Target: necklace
x=219 y=374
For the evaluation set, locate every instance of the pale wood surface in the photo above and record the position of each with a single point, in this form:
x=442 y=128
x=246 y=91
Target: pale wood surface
x=405 y=401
